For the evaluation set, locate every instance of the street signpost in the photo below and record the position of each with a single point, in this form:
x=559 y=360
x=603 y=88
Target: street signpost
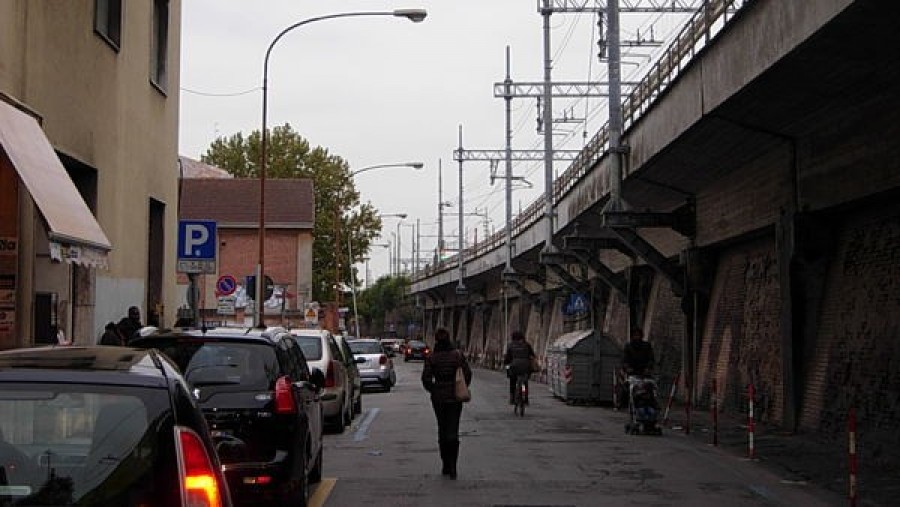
x=196 y=255
x=226 y=285
x=196 y=246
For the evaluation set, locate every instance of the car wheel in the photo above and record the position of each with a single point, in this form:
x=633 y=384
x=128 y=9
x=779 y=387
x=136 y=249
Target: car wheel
x=296 y=489
x=338 y=423
x=348 y=414
x=315 y=475
x=387 y=387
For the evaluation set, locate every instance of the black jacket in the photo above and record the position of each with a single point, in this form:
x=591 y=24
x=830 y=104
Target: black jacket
x=518 y=357
x=439 y=374
x=638 y=358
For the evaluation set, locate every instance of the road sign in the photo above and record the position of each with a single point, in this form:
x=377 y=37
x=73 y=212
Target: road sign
x=311 y=316
x=226 y=285
x=196 y=246
x=226 y=305
x=576 y=304
x=269 y=289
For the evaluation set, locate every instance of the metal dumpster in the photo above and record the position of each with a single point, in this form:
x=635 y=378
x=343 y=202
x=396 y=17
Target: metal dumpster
x=580 y=367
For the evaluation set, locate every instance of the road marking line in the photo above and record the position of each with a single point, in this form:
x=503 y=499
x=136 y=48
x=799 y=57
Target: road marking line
x=364 y=426
x=322 y=491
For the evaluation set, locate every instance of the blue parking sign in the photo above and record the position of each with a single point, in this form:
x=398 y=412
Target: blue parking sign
x=196 y=246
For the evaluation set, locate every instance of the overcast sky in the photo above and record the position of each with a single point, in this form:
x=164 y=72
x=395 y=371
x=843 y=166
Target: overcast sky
x=382 y=90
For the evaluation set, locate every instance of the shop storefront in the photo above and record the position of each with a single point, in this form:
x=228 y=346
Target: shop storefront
x=50 y=242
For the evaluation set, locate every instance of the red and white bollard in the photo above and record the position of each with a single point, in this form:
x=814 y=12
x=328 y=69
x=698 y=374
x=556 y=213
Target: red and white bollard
x=851 y=429
x=714 y=405
x=751 y=451
x=671 y=398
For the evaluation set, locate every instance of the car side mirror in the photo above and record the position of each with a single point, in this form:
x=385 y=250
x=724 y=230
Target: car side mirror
x=317 y=378
x=359 y=360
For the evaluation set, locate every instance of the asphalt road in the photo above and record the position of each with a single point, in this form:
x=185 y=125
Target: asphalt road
x=557 y=455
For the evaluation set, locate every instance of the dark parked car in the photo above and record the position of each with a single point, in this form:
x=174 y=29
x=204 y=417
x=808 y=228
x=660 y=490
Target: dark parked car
x=353 y=372
x=416 y=350
x=262 y=404
x=108 y=426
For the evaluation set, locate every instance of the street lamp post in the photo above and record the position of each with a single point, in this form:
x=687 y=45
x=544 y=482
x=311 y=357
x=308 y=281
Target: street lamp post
x=414 y=165
x=414 y=15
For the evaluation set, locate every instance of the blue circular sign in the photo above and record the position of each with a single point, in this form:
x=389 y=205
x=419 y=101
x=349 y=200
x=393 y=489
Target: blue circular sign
x=225 y=285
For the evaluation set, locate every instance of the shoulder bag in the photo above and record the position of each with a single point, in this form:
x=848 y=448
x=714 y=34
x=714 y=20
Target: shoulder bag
x=460 y=389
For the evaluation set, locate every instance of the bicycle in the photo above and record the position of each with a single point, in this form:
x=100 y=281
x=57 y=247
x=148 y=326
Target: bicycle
x=521 y=397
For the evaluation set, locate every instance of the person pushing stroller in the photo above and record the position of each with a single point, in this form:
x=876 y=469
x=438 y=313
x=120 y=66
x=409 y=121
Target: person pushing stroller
x=636 y=387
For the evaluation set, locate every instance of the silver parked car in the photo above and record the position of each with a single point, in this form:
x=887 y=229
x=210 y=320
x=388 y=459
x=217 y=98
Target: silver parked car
x=323 y=352
x=378 y=368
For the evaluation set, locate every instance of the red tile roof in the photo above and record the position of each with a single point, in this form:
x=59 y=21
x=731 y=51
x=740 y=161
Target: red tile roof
x=191 y=168
x=235 y=202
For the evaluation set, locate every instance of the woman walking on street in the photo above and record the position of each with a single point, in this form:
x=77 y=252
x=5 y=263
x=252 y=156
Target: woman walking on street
x=438 y=377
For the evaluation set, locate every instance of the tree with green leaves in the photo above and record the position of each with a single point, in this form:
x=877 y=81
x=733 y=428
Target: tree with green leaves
x=339 y=215
x=386 y=298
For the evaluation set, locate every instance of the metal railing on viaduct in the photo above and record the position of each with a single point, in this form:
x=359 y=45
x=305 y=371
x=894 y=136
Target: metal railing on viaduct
x=696 y=34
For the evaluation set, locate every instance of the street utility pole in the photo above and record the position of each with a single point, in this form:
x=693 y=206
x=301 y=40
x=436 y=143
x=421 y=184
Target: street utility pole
x=461 y=286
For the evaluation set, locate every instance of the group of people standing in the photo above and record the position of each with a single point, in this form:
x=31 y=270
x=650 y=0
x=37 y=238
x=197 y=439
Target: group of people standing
x=119 y=334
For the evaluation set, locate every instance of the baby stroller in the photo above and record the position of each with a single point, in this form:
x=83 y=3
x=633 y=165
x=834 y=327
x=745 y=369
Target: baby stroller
x=642 y=406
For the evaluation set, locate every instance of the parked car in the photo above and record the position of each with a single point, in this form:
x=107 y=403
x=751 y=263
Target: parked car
x=350 y=363
x=262 y=403
x=103 y=426
x=391 y=346
x=416 y=349
x=323 y=352
x=377 y=367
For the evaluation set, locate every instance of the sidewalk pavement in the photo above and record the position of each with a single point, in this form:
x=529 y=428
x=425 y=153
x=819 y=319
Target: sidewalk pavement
x=800 y=458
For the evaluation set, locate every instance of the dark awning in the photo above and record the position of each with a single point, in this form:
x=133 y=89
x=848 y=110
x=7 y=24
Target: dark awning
x=75 y=235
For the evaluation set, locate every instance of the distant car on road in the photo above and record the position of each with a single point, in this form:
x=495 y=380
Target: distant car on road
x=416 y=350
x=103 y=426
x=377 y=367
x=262 y=404
x=391 y=346
x=323 y=352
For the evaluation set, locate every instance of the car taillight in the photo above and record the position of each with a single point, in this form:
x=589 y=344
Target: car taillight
x=329 y=375
x=427 y=351
x=284 y=396
x=199 y=486
x=382 y=359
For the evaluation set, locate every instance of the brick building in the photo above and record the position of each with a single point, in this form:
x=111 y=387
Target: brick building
x=234 y=204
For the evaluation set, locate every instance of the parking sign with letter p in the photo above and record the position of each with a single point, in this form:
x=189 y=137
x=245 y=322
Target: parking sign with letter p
x=196 y=246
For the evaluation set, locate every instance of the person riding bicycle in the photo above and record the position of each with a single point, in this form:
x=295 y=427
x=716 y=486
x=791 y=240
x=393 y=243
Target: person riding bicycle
x=518 y=360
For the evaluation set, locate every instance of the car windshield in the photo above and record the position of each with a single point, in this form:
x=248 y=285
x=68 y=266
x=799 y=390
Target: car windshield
x=77 y=444
x=417 y=344
x=365 y=347
x=311 y=346
x=229 y=365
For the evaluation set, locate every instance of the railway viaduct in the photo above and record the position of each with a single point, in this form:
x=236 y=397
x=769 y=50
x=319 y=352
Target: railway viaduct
x=759 y=237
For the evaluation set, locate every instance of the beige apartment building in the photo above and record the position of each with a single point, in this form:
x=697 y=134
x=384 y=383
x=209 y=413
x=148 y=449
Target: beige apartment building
x=88 y=165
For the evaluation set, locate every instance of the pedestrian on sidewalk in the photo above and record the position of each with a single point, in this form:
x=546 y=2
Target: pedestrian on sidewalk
x=129 y=326
x=111 y=336
x=438 y=378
